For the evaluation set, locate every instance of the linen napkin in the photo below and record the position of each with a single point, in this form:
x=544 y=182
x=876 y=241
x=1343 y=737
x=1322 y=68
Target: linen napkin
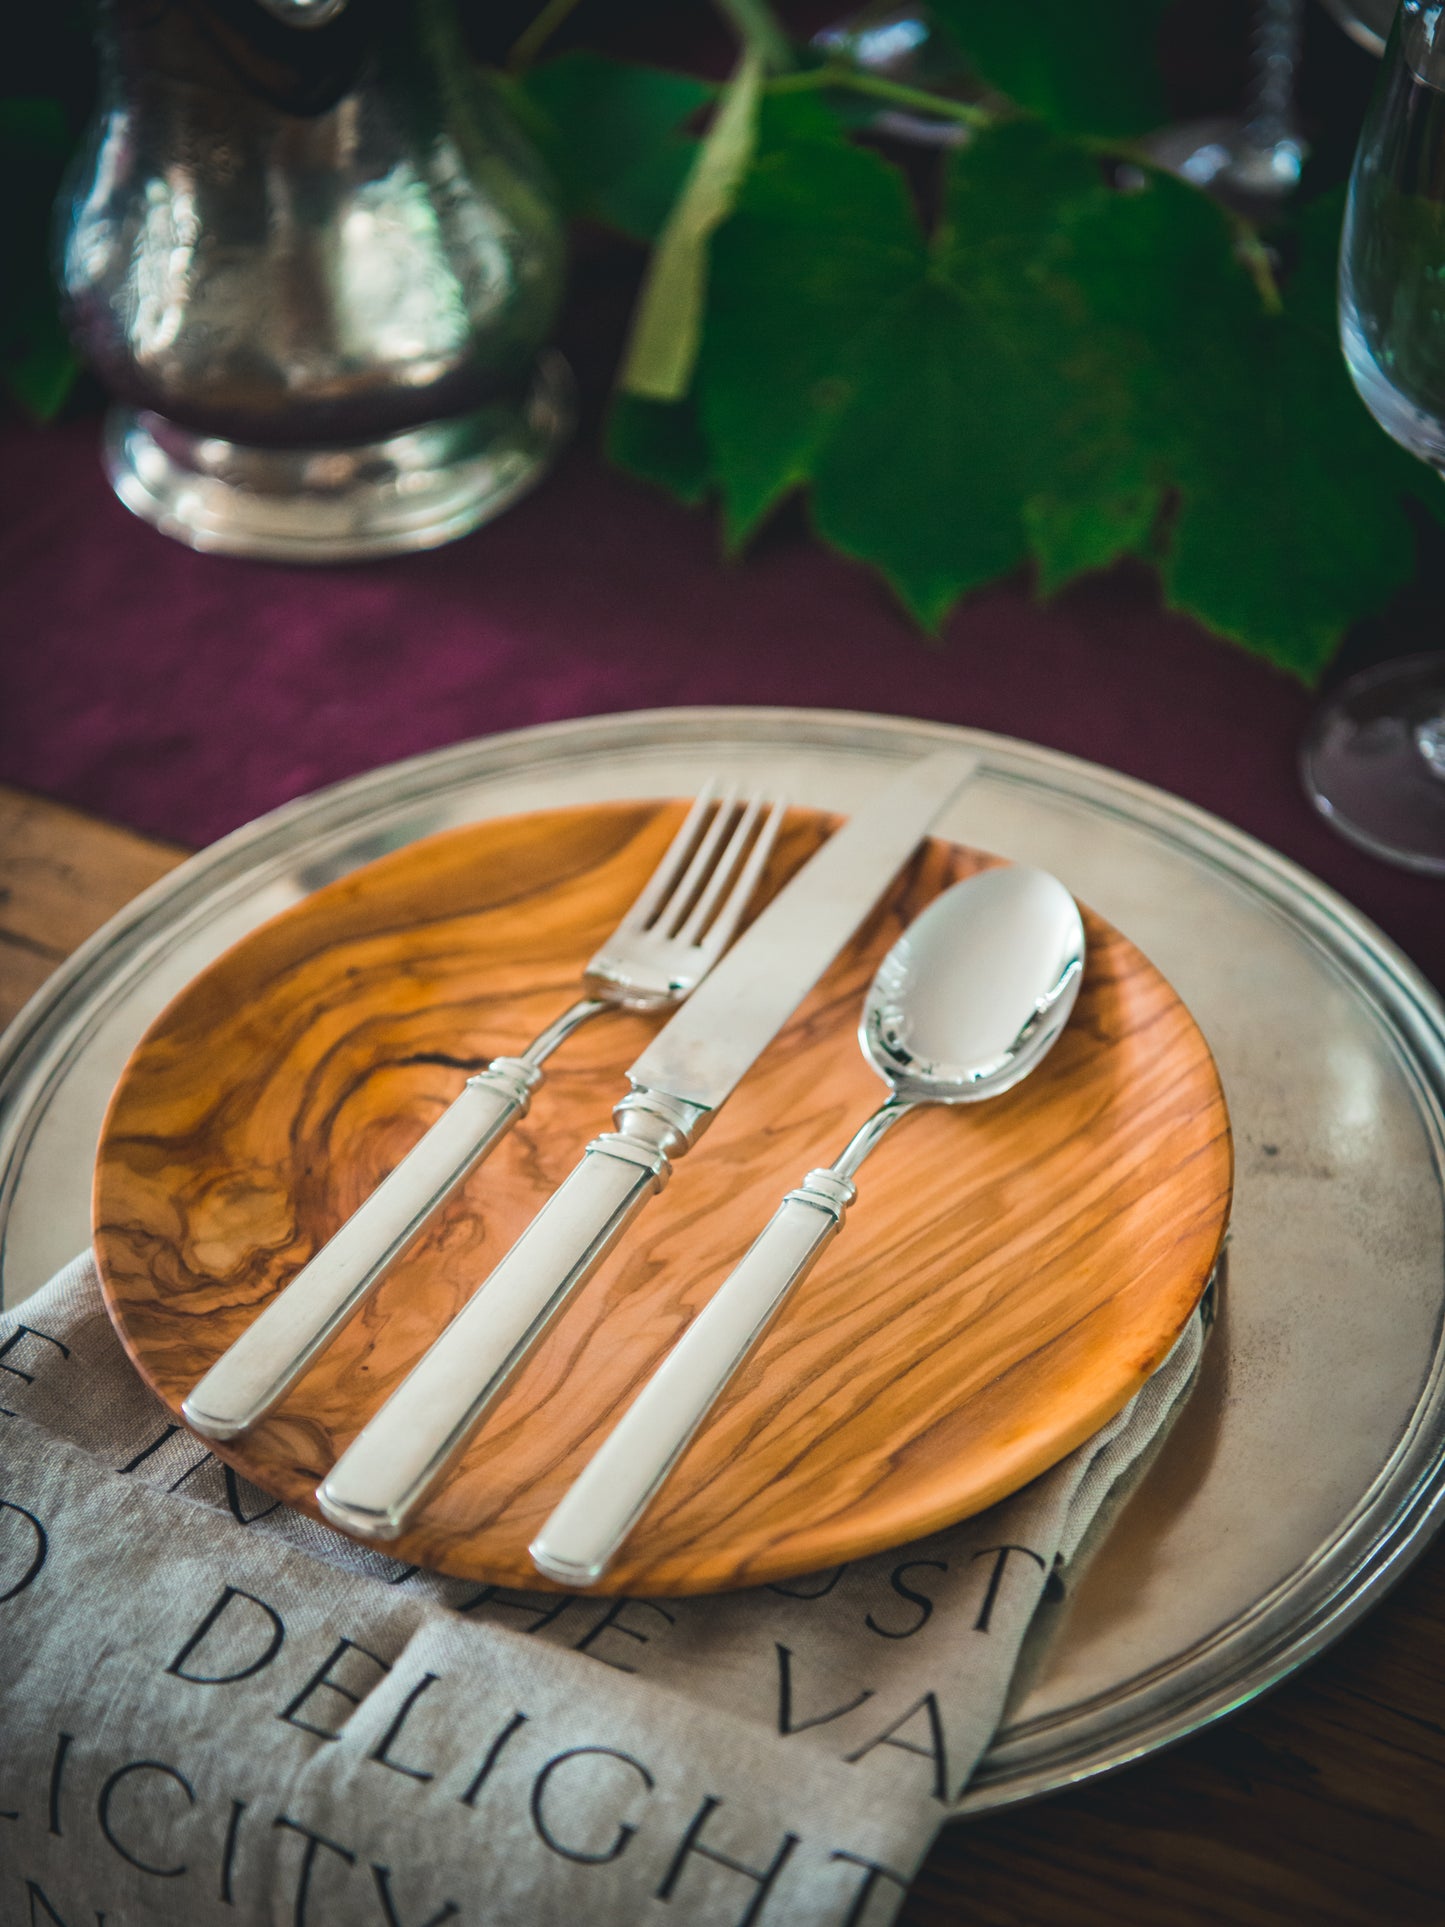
x=215 y=1710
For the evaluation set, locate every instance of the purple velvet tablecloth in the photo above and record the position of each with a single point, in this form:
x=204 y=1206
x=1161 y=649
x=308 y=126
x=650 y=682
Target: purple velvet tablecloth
x=184 y=694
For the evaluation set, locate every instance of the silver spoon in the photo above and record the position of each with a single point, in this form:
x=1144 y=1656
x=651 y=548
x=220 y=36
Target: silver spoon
x=965 y=1004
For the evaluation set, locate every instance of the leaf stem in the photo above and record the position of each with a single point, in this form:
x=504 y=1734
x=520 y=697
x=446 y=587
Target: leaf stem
x=918 y=100
x=537 y=32
x=759 y=31
x=667 y=322
x=1258 y=263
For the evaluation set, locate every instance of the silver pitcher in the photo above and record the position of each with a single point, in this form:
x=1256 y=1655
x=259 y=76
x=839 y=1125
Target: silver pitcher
x=309 y=252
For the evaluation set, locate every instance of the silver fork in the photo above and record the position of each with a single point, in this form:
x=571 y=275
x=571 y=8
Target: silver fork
x=685 y=917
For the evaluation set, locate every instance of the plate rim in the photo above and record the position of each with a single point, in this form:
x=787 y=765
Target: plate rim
x=1369 y=1549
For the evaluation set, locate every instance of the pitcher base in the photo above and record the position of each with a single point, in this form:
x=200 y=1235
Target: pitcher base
x=415 y=490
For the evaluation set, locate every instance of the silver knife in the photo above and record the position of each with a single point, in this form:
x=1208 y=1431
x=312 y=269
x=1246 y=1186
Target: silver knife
x=678 y=1085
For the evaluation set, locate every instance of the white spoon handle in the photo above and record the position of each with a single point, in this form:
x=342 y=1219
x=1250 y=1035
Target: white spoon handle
x=586 y=1531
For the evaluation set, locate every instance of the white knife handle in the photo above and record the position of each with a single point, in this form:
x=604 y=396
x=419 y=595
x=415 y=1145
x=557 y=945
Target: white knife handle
x=394 y=1462
x=586 y=1531
x=250 y=1378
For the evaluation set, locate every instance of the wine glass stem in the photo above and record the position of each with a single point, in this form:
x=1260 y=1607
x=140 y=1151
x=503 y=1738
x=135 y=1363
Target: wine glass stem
x=1274 y=58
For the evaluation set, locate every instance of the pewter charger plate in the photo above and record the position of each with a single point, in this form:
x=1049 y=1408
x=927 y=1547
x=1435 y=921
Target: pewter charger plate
x=1308 y=1467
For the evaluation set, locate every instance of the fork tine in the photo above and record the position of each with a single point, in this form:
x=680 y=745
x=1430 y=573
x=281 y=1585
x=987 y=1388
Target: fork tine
x=722 y=872
x=678 y=852
x=728 y=918
x=681 y=897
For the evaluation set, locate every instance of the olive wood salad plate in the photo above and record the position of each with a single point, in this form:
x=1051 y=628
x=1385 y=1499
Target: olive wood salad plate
x=1011 y=1275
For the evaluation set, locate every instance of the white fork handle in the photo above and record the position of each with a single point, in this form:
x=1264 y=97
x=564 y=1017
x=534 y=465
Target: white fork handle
x=587 y=1530
x=393 y=1463
x=250 y=1378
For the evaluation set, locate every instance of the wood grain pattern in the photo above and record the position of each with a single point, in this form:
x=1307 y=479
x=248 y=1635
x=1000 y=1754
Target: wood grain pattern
x=1322 y=1802
x=61 y=875
x=1009 y=1277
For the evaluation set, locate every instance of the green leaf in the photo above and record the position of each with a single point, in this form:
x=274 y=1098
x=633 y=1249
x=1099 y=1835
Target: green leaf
x=36 y=125
x=823 y=242
x=667 y=324
x=1064 y=373
x=1088 y=489
x=1072 y=532
x=1289 y=523
x=945 y=404
x=36 y=361
x=661 y=442
x=611 y=133
x=1084 y=69
x=40 y=366
x=916 y=475
x=989 y=424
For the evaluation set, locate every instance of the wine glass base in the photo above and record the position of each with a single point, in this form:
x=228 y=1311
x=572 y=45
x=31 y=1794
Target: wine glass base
x=1372 y=764
x=414 y=490
x=1229 y=160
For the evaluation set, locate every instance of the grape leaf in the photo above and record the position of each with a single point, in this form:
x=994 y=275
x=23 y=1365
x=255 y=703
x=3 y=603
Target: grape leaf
x=661 y=442
x=1062 y=372
x=610 y=132
x=822 y=243
x=1084 y=69
x=1289 y=522
x=1089 y=488
x=920 y=475
x=38 y=365
x=953 y=424
x=935 y=397
x=1058 y=365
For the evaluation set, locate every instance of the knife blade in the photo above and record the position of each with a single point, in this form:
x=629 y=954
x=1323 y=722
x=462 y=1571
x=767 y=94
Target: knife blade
x=678 y=1084
x=700 y=1055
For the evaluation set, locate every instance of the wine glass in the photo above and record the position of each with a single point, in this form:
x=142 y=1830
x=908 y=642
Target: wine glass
x=1374 y=761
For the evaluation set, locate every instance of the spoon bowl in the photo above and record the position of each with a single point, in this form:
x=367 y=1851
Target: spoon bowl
x=975 y=991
